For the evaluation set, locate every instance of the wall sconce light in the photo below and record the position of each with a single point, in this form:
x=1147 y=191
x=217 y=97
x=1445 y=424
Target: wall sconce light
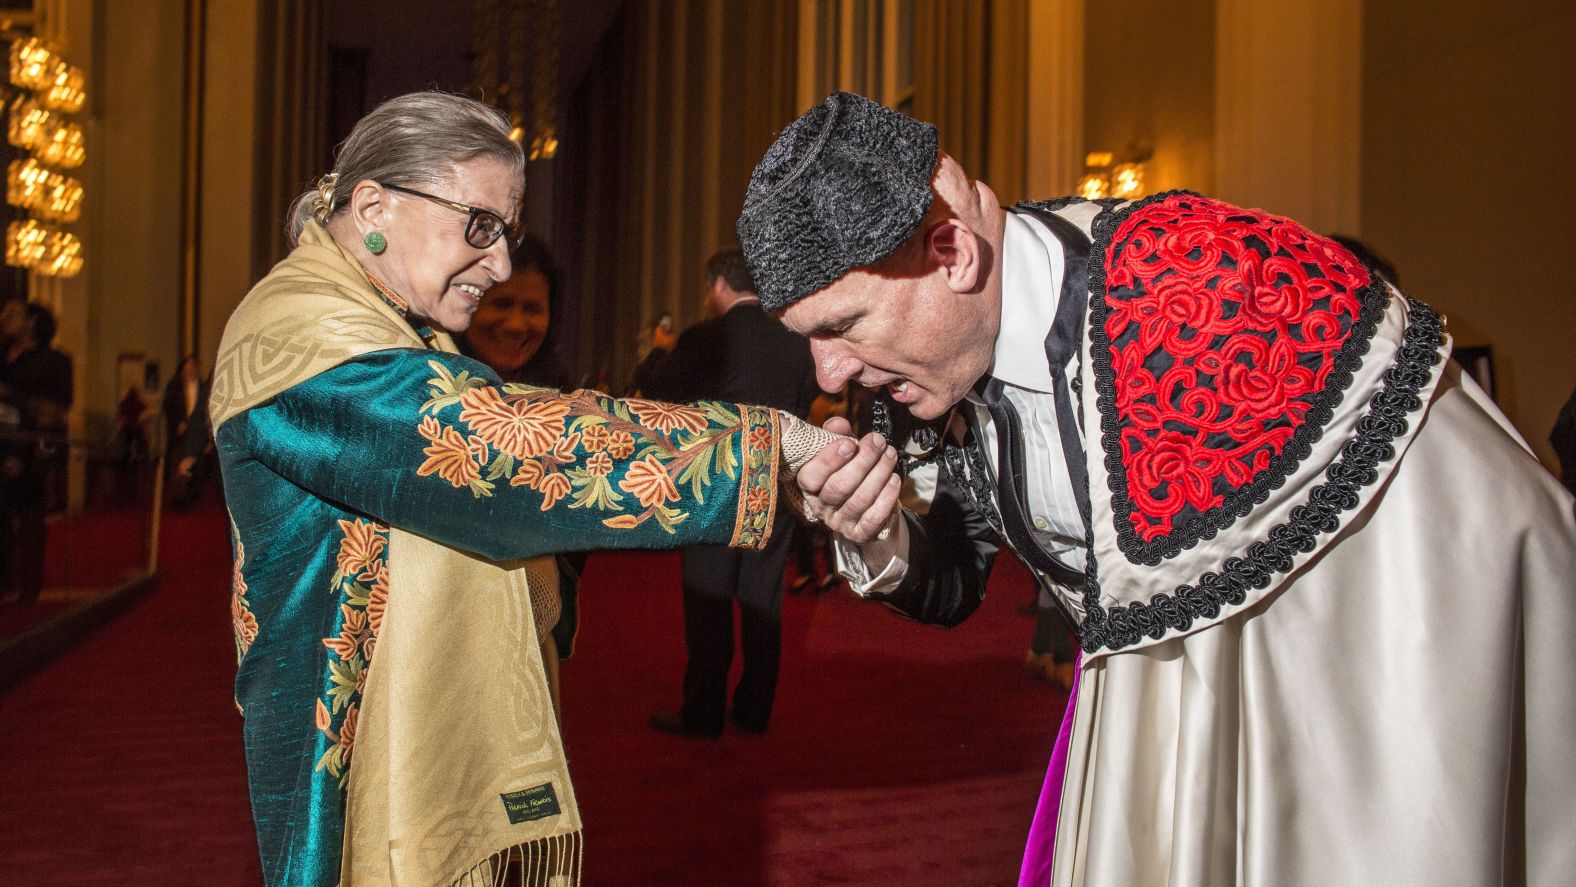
x=25 y=180
x=63 y=200
x=24 y=243
x=56 y=197
x=28 y=119
x=67 y=91
x=50 y=88
x=1103 y=177
x=1127 y=180
x=62 y=255
x=48 y=135
x=33 y=64
x=61 y=144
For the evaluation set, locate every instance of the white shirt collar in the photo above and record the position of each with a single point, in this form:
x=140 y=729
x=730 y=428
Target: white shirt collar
x=1030 y=290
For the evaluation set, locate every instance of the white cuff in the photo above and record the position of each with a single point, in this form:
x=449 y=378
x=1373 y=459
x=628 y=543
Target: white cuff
x=856 y=563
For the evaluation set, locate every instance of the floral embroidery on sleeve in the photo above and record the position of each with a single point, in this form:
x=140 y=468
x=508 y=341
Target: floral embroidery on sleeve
x=241 y=618
x=635 y=459
x=361 y=582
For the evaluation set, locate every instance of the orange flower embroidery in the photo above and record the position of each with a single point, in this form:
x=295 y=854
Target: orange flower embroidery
x=553 y=487
x=599 y=464
x=520 y=425
x=347 y=730
x=451 y=456
x=758 y=499
x=564 y=450
x=241 y=619
x=669 y=417
x=529 y=475
x=621 y=444
x=361 y=548
x=594 y=438
x=760 y=438
x=648 y=480
x=352 y=633
x=378 y=600
x=244 y=622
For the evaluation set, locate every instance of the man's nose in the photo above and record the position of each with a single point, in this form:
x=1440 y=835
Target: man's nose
x=833 y=367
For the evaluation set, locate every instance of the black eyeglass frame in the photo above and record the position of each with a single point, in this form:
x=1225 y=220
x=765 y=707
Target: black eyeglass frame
x=516 y=235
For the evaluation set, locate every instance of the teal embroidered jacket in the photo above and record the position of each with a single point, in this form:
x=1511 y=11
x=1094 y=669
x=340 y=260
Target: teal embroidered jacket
x=435 y=444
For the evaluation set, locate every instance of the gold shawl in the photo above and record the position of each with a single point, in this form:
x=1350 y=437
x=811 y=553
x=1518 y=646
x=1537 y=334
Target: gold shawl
x=458 y=764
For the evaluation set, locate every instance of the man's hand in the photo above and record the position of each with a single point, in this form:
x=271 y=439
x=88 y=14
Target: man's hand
x=851 y=486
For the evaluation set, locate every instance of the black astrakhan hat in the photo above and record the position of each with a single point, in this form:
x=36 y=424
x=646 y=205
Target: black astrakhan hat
x=841 y=188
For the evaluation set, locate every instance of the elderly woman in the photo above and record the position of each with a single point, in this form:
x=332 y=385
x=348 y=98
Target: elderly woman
x=390 y=500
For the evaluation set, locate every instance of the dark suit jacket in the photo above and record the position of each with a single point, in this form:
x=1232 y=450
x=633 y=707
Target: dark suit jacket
x=744 y=356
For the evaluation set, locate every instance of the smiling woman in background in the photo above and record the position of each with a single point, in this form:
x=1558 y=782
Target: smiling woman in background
x=512 y=329
x=390 y=500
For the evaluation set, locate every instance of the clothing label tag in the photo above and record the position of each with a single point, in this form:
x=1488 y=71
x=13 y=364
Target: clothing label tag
x=531 y=804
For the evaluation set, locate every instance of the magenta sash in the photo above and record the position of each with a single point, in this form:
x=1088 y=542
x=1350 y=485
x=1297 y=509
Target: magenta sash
x=1041 y=849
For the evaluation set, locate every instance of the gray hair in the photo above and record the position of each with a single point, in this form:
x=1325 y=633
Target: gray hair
x=412 y=140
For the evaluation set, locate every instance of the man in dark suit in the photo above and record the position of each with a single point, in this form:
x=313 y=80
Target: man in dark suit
x=745 y=356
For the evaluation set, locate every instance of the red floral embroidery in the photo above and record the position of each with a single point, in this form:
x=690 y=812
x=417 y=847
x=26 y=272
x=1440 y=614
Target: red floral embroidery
x=1223 y=326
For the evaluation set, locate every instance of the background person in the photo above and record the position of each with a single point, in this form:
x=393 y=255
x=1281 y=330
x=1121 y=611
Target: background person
x=740 y=354
x=36 y=383
x=182 y=397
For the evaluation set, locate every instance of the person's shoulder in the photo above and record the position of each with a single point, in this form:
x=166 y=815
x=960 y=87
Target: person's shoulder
x=708 y=330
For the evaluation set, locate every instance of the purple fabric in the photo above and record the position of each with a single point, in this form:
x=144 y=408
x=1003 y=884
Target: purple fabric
x=1037 y=856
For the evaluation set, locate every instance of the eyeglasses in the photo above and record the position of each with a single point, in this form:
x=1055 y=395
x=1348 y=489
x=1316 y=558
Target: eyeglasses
x=482 y=228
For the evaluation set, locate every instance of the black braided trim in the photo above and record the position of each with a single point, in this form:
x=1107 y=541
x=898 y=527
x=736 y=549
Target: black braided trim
x=975 y=480
x=1356 y=468
x=1321 y=408
x=1051 y=206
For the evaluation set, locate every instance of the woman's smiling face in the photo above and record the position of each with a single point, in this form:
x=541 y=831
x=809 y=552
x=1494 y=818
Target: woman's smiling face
x=509 y=326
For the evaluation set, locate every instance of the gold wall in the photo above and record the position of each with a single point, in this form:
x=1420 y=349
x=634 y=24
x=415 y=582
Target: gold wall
x=1149 y=81
x=1469 y=143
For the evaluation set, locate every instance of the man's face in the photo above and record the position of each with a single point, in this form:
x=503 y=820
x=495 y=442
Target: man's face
x=923 y=342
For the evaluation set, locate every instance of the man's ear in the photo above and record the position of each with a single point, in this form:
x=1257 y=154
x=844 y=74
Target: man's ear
x=369 y=207
x=955 y=249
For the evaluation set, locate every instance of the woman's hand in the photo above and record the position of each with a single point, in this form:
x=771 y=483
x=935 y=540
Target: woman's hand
x=850 y=485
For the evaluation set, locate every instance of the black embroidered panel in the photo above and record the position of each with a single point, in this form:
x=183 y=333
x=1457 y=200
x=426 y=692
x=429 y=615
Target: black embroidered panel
x=1357 y=467
x=1222 y=340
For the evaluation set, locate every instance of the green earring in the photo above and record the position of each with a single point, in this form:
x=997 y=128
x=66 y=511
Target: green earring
x=375 y=242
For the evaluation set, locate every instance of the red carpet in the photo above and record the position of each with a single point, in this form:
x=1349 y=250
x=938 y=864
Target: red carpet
x=898 y=754
x=85 y=555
